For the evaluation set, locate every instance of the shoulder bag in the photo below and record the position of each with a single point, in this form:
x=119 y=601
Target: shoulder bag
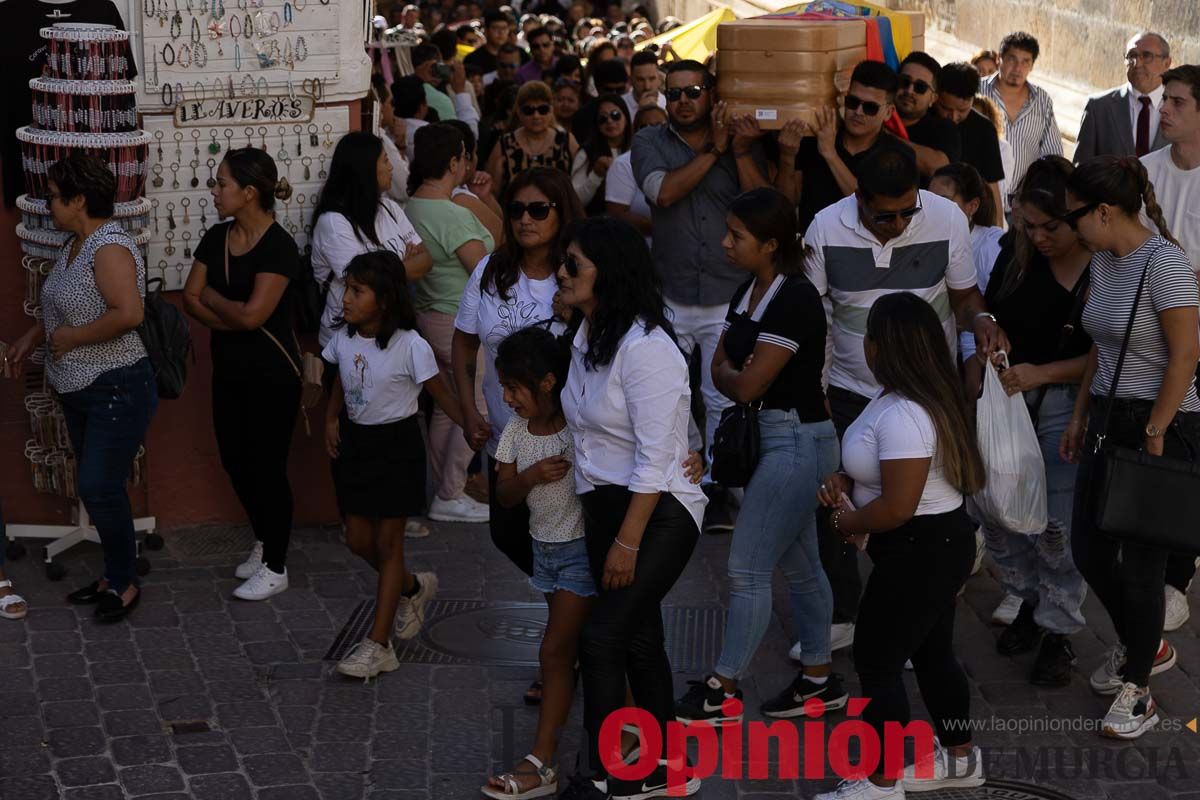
x=735 y=446
x=1138 y=497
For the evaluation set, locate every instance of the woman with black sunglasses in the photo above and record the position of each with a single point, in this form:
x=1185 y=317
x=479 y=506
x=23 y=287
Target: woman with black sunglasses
x=611 y=135
x=533 y=138
x=510 y=290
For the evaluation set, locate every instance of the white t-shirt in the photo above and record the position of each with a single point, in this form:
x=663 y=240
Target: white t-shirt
x=492 y=319
x=985 y=246
x=620 y=187
x=381 y=385
x=555 y=513
x=335 y=244
x=891 y=428
x=1178 y=194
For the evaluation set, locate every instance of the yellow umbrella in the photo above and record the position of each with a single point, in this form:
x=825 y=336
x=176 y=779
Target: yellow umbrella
x=697 y=39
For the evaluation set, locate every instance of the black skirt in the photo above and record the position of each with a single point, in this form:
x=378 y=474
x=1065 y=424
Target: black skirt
x=380 y=469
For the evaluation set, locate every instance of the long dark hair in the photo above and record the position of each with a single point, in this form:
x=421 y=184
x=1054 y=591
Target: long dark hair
x=434 y=147
x=768 y=214
x=969 y=185
x=913 y=360
x=351 y=188
x=627 y=288
x=1121 y=182
x=596 y=145
x=532 y=353
x=1045 y=188
x=503 y=269
x=383 y=272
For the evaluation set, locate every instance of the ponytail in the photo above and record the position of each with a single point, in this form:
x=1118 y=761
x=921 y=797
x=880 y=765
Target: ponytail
x=1149 y=200
x=1120 y=182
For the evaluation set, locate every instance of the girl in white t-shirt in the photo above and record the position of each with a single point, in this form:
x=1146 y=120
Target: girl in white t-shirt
x=909 y=458
x=374 y=439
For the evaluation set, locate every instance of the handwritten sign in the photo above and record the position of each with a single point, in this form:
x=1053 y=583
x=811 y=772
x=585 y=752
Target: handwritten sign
x=243 y=110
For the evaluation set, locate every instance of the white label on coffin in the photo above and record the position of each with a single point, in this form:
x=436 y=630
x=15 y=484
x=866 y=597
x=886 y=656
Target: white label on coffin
x=766 y=114
x=249 y=110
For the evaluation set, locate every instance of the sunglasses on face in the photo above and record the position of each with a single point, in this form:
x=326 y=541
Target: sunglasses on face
x=917 y=86
x=693 y=92
x=541 y=110
x=571 y=265
x=538 y=210
x=1072 y=217
x=869 y=107
x=895 y=216
x=612 y=116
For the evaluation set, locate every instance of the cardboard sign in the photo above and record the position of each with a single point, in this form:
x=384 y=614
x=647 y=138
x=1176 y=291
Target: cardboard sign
x=243 y=111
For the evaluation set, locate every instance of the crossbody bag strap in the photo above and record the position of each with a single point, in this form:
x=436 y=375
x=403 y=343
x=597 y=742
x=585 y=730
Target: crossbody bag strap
x=1112 y=389
x=291 y=361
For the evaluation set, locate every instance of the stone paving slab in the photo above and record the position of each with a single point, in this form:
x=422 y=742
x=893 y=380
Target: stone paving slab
x=199 y=695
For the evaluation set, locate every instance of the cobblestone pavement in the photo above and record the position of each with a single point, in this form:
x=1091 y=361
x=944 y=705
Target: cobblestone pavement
x=198 y=695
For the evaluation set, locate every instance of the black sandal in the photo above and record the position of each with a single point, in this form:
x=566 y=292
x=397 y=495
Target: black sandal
x=533 y=695
x=87 y=595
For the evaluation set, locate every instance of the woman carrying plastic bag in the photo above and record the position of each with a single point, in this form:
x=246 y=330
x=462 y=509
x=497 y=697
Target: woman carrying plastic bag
x=1037 y=291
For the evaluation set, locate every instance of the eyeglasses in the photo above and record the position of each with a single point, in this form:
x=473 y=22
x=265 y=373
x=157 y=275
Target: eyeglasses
x=693 y=92
x=917 y=86
x=572 y=265
x=1072 y=217
x=894 y=216
x=869 y=107
x=541 y=110
x=1134 y=56
x=611 y=116
x=538 y=210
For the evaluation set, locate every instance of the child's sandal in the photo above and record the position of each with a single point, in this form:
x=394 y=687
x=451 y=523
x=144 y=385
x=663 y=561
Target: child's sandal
x=10 y=600
x=547 y=783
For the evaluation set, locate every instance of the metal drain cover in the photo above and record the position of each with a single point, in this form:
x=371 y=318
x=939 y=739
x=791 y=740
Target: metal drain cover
x=212 y=541
x=504 y=634
x=1001 y=790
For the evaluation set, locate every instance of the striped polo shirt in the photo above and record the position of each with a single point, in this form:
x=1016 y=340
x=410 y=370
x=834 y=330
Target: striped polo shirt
x=851 y=269
x=1033 y=134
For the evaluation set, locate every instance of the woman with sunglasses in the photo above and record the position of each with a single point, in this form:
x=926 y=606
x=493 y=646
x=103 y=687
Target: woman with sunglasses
x=457 y=241
x=1036 y=291
x=1155 y=409
x=627 y=404
x=611 y=134
x=533 y=139
x=509 y=290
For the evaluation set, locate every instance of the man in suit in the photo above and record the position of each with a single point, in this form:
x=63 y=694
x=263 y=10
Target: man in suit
x=1124 y=121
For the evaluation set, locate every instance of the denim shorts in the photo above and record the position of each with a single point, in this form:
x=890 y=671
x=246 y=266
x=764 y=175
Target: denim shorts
x=562 y=565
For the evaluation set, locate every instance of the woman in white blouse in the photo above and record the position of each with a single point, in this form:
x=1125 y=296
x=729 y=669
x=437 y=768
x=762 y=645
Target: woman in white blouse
x=627 y=403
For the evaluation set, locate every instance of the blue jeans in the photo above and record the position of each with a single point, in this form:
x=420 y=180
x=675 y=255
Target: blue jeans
x=107 y=422
x=562 y=566
x=777 y=527
x=1040 y=568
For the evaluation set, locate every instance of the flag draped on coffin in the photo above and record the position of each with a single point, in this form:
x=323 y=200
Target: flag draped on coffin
x=696 y=40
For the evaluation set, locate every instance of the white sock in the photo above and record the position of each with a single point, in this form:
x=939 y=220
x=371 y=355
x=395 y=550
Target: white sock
x=821 y=681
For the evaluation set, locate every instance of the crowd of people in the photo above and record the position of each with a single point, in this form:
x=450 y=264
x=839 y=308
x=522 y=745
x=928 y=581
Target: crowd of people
x=568 y=257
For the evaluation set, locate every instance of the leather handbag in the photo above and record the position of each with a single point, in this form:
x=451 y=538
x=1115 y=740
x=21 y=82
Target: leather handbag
x=735 y=446
x=1138 y=497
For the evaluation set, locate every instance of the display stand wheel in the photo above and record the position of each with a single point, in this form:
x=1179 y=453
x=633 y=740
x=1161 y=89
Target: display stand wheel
x=142 y=565
x=154 y=541
x=55 y=571
x=15 y=550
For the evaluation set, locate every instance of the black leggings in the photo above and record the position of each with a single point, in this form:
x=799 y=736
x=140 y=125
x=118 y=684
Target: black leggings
x=623 y=638
x=509 y=526
x=907 y=612
x=254 y=422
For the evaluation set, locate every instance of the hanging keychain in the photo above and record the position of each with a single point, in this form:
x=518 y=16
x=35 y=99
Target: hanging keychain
x=299 y=129
x=228 y=134
x=158 y=138
x=313 y=141
x=195 y=180
x=179 y=144
x=212 y=181
x=196 y=136
x=170 y=221
x=185 y=202
x=157 y=180
x=282 y=153
x=262 y=137
x=174 y=176
x=154 y=211
x=170 y=248
x=214 y=146
x=249 y=133
x=300 y=202
x=328 y=128
x=187 y=244
x=307 y=162
x=203 y=216
x=322 y=174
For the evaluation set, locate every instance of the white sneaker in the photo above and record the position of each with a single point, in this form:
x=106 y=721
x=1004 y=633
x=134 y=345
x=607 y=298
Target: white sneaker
x=944 y=771
x=251 y=564
x=410 y=614
x=1006 y=612
x=415 y=530
x=367 y=659
x=980 y=550
x=1133 y=713
x=841 y=635
x=460 y=509
x=262 y=584
x=863 y=789
x=1107 y=677
x=1177 y=609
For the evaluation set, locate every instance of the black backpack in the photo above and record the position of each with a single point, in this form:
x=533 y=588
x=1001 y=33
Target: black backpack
x=165 y=333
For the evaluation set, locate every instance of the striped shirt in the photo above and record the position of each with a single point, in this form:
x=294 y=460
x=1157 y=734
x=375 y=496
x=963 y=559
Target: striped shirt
x=1033 y=134
x=851 y=269
x=1169 y=284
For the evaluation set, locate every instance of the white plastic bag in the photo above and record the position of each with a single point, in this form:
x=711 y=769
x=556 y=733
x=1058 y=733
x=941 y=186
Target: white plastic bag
x=1014 y=497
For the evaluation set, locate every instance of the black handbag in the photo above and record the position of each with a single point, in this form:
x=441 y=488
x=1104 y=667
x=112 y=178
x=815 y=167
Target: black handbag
x=1138 y=497
x=735 y=446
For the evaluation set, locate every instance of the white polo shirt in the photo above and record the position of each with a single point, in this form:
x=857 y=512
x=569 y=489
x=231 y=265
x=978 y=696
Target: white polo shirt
x=852 y=270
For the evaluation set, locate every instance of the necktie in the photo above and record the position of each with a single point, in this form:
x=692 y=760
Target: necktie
x=1142 y=146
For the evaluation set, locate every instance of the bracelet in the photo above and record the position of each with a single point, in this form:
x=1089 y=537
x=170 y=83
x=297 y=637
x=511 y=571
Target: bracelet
x=627 y=547
x=987 y=314
x=835 y=519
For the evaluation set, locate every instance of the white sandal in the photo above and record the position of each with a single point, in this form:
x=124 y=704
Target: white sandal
x=12 y=600
x=512 y=789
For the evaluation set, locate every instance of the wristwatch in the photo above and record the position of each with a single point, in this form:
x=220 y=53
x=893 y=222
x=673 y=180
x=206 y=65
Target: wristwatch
x=1153 y=431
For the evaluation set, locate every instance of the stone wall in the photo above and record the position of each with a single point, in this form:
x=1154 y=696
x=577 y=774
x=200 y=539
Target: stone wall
x=1082 y=40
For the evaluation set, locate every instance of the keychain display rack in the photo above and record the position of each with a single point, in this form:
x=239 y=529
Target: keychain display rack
x=85 y=103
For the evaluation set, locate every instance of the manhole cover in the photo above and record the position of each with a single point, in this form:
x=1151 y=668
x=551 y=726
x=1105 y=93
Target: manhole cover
x=1001 y=790
x=508 y=634
x=199 y=542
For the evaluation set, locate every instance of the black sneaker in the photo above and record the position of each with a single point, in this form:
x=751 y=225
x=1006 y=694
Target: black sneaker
x=654 y=785
x=718 y=514
x=1054 y=661
x=703 y=702
x=790 y=702
x=583 y=788
x=1022 y=635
